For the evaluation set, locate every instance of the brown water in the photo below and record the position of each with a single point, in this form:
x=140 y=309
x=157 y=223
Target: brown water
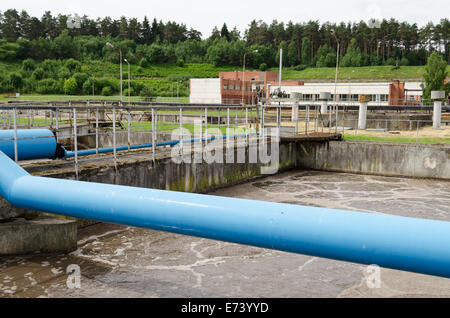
x=117 y=261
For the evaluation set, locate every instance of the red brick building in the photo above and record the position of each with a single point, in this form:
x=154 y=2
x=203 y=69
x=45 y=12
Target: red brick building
x=397 y=93
x=231 y=83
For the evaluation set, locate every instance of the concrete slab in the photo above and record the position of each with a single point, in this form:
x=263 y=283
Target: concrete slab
x=44 y=234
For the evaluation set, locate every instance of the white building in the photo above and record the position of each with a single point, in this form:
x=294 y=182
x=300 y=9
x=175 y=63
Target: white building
x=209 y=90
x=205 y=90
x=347 y=93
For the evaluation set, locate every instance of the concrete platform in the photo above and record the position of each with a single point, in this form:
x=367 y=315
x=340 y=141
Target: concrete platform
x=315 y=136
x=44 y=234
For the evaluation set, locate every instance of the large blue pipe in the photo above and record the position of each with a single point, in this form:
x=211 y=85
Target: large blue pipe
x=411 y=244
x=31 y=143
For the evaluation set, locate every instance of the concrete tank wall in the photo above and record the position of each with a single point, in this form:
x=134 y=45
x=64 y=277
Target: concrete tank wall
x=390 y=159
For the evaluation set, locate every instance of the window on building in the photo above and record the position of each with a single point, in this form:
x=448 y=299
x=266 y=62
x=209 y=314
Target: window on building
x=225 y=86
x=231 y=87
x=384 y=98
x=238 y=87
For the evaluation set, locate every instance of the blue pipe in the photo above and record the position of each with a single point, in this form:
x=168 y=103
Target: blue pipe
x=410 y=244
x=70 y=154
x=31 y=143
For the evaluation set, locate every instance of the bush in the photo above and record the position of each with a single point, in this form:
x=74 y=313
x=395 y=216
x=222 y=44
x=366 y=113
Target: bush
x=145 y=92
x=38 y=74
x=80 y=78
x=103 y=82
x=28 y=65
x=143 y=63
x=49 y=86
x=180 y=63
x=64 y=73
x=390 y=61
x=125 y=92
x=107 y=91
x=263 y=67
x=177 y=78
x=139 y=70
x=70 y=86
x=87 y=86
x=300 y=67
x=15 y=80
x=73 y=65
x=50 y=66
x=404 y=61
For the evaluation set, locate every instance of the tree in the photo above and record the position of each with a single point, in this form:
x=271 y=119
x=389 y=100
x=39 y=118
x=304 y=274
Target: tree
x=194 y=34
x=64 y=46
x=134 y=30
x=284 y=46
x=292 y=55
x=325 y=57
x=123 y=28
x=435 y=74
x=353 y=56
x=49 y=23
x=146 y=32
x=224 y=33
x=70 y=86
x=10 y=30
x=215 y=34
x=306 y=51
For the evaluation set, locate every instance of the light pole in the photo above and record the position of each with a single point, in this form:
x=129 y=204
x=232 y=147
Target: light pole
x=243 y=74
x=120 y=52
x=129 y=80
x=333 y=33
x=93 y=87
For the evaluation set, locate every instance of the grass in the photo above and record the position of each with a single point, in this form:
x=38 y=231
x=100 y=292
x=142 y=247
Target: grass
x=107 y=69
x=427 y=140
x=147 y=126
x=40 y=97
x=353 y=73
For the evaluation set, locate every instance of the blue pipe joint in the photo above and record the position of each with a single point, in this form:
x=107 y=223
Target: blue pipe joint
x=31 y=144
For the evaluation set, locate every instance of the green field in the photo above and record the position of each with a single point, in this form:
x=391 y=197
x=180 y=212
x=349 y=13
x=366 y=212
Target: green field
x=207 y=71
x=357 y=73
x=426 y=140
x=107 y=69
x=41 y=97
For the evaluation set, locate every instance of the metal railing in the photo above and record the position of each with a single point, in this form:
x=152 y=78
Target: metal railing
x=92 y=125
x=80 y=125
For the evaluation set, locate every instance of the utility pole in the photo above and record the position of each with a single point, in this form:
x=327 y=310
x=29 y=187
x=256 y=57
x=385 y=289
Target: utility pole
x=335 y=78
x=281 y=69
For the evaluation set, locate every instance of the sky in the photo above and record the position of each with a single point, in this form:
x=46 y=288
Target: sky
x=203 y=15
